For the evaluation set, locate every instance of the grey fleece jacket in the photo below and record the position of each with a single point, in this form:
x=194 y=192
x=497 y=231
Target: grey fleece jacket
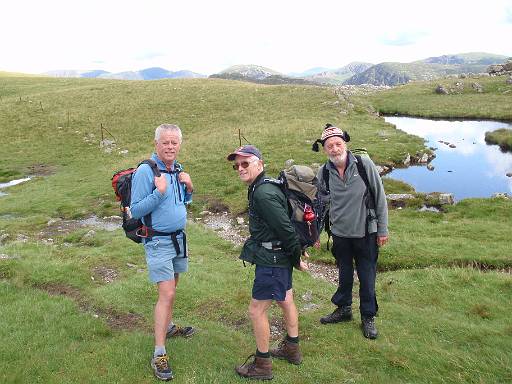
x=347 y=199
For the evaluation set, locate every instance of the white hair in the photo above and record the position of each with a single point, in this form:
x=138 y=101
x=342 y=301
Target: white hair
x=167 y=127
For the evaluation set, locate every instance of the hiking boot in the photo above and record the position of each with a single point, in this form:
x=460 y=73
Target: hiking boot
x=260 y=368
x=176 y=331
x=288 y=351
x=368 y=325
x=339 y=314
x=161 y=367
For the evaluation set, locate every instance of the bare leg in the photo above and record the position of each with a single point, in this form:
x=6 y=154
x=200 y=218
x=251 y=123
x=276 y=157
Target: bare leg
x=176 y=279
x=291 y=316
x=163 y=309
x=258 y=314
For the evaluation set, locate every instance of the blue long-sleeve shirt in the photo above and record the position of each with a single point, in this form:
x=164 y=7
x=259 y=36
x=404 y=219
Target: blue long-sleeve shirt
x=168 y=211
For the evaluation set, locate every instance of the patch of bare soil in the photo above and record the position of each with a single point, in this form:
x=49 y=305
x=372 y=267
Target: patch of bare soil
x=41 y=169
x=116 y=320
x=277 y=328
x=59 y=227
x=105 y=274
x=226 y=227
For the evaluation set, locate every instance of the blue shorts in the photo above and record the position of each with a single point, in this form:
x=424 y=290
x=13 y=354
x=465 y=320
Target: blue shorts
x=271 y=283
x=162 y=260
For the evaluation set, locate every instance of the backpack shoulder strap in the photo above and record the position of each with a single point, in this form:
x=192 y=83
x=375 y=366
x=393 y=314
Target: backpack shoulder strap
x=152 y=164
x=364 y=176
x=265 y=180
x=154 y=167
x=325 y=177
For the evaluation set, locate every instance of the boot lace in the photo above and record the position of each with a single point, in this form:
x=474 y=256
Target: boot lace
x=162 y=363
x=252 y=364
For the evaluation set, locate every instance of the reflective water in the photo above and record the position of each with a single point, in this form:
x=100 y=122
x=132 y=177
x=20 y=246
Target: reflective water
x=11 y=183
x=470 y=169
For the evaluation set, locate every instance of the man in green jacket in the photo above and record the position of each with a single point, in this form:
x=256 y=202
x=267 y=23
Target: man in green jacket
x=275 y=249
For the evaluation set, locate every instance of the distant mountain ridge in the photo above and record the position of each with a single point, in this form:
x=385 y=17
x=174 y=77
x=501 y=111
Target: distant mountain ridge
x=153 y=73
x=337 y=76
x=393 y=73
x=258 y=74
x=313 y=76
x=355 y=73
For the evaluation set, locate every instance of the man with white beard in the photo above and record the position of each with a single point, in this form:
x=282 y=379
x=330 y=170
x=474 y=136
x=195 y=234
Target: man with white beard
x=358 y=219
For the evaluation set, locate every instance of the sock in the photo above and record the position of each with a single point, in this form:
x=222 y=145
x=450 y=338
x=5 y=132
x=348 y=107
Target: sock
x=159 y=351
x=169 y=327
x=292 y=339
x=262 y=354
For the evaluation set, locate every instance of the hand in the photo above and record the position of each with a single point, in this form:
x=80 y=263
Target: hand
x=303 y=266
x=382 y=240
x=184 y=178
x=161 y=183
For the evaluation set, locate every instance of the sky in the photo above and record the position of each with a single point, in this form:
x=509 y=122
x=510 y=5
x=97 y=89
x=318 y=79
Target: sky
x=209 y=36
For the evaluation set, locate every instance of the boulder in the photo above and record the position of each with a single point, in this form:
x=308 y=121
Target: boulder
x=495 y=68
x=446 y=198
x=440 y=90
x=399 y=196
x=407 y=160
x=477 y=87
x=423 y=159
x=507 y=66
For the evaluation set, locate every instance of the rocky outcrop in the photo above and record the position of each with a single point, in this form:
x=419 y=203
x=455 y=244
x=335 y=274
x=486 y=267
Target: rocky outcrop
x=457 y=88
x=501 y=69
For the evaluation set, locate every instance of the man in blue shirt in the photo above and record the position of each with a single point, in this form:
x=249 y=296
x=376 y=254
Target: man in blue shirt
x=162 y=201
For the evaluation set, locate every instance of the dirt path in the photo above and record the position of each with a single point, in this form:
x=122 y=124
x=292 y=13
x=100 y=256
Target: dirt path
x=236 y=231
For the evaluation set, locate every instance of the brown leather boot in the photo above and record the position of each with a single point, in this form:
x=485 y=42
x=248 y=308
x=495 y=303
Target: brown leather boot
x=288 y=351
x=260 y=368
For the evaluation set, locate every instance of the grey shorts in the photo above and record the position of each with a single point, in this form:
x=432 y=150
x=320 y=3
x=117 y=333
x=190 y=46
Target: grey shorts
x=162 y=260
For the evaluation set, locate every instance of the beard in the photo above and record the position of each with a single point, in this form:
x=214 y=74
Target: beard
x=340 y=159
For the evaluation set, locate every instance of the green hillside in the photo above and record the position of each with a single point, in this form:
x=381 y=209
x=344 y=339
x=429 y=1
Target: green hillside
x=77 y=306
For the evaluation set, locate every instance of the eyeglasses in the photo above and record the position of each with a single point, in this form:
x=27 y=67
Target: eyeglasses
x=244 y=164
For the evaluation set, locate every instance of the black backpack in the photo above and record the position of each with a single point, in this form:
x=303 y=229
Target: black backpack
x=299 y=185
x=369 y=196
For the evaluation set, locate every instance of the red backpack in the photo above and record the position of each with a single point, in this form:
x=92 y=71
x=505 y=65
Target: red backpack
x=122 y=183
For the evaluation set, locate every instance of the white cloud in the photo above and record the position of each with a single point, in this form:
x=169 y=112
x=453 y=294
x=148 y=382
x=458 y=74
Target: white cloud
x=208 y=36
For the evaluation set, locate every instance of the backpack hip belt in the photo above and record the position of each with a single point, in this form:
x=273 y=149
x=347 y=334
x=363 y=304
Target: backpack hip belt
x=271 y=245
x=147 y=233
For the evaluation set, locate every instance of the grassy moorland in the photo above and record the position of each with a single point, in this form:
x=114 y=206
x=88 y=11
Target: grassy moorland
x=77 y=308
x=419 y=99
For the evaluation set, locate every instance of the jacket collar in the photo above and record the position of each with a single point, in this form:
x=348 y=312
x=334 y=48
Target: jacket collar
x=256 y=180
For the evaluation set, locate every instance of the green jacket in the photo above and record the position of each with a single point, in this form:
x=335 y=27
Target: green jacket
x=269 y=223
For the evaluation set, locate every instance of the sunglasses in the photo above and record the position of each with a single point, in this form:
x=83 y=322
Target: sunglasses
x=244 y=164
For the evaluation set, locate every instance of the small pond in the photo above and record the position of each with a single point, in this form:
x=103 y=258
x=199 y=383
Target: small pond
x=464 y=165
